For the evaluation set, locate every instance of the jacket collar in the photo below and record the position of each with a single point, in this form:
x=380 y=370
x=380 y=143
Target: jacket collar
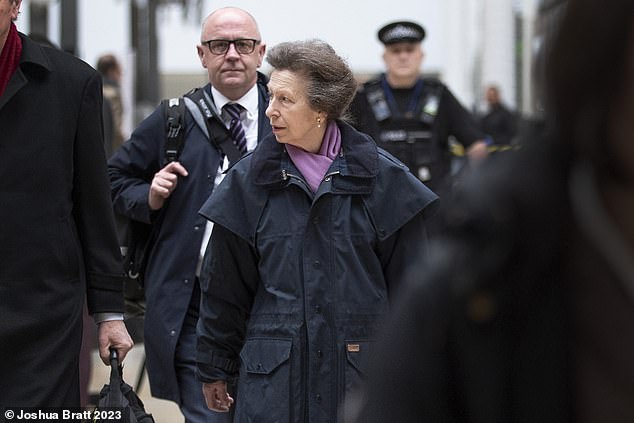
x=33 y=62
x=33 y=54
x=357 y=164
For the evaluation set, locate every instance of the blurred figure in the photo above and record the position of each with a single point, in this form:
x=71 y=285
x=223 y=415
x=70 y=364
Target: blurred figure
x=42 y=39
x=413 y=117
x=313 y=235
x=499 y=122
x=168 y=195
x=59 y=244
x=110 y=70
x=526 y=315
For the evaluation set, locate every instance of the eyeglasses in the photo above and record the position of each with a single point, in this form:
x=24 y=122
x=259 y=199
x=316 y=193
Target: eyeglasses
x=221 y=46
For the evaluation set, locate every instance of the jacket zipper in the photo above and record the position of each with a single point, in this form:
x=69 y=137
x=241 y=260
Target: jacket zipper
x=329 y=176
x=286 y=176
x=304 y=364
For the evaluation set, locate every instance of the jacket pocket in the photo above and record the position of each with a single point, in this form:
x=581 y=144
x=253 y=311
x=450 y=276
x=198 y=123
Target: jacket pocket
x=264 y=386
x=357 y=355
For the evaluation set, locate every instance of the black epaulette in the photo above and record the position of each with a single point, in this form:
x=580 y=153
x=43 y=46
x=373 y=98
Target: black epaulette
x=376 y=99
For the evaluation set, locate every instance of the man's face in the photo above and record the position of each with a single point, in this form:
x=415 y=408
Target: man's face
x=492 y=95
x=403 y=60
x=231 y=73
x=8 y=12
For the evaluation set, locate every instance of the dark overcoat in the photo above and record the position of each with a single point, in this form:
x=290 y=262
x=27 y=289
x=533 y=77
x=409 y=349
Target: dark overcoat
x=484 y=335
x=58 y=241
x=296 y=282
x=178 y=227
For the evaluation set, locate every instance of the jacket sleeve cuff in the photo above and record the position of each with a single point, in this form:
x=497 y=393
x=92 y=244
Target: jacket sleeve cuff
x=101 y=300
x=217 y=368
x=210 y=374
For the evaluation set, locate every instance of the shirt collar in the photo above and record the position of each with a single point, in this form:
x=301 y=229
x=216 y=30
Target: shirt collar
x=249 y=101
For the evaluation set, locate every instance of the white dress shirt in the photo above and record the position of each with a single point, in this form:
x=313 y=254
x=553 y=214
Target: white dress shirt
x=249 y=119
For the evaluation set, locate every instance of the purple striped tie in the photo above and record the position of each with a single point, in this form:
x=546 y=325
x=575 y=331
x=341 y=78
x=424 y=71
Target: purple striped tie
x=236 y=130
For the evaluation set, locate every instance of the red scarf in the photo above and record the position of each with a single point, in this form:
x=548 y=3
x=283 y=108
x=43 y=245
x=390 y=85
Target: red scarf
x=10 y=57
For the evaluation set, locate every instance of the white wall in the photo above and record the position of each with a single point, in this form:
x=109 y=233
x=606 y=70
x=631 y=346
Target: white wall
x=498 y=48
x=458 y=47
x=349 y=26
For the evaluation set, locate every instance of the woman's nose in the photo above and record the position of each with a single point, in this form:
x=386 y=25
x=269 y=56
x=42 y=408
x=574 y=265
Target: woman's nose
x=269 y=110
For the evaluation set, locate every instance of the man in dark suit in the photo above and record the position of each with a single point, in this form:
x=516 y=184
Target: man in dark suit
x=57 y=229
x=168 y=196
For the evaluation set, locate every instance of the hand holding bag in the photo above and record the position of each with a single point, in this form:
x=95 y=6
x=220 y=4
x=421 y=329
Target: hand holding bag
x=119 y=396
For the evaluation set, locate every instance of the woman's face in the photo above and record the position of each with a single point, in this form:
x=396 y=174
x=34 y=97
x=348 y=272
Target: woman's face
x=292 y=119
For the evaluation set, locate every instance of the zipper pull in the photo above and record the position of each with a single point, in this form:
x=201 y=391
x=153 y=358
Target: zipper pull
x=329 y=176
x=284 y=175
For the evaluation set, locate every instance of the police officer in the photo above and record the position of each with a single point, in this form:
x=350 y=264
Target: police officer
x=413 y=117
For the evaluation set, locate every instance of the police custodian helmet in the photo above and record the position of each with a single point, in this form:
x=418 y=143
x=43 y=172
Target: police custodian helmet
x=401 y=31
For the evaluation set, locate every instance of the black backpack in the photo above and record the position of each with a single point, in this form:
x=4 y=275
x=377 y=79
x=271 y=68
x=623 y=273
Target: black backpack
x=118 y=401
x=137 y=238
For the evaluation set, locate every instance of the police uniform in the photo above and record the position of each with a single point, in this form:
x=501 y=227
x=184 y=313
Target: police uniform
x=414 y=124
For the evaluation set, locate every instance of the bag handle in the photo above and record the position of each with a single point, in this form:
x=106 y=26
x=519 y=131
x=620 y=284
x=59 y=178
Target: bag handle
x=116 y=378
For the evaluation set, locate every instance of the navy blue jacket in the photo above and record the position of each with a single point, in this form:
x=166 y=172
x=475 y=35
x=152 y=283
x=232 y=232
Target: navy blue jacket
x=294 y=282
x=172 y=264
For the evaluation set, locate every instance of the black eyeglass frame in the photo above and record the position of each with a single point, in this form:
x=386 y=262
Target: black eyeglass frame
x=235 y=45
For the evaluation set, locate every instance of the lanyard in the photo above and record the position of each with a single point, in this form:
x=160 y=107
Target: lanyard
x=413 y=100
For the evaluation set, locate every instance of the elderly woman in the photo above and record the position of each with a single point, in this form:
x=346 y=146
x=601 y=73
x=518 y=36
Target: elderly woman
x=314 y=233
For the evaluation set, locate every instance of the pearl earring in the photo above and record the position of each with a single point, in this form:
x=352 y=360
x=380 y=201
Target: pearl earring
x=318 y=122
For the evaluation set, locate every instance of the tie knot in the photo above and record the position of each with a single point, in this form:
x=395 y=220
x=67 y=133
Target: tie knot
x=233 y=110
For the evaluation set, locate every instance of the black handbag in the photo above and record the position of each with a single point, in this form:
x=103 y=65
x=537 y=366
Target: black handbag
x=118 y=401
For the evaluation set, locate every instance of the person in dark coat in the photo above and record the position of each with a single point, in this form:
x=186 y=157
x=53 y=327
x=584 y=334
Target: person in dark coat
x=169 y=196
x=59 y=244
x=526 y=314
x=111 y=73
x=499 y=122
x=314 y=232
x=413 y=117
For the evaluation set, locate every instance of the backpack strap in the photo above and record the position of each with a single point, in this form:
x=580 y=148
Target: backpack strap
x=206 y=115
x=174 y=128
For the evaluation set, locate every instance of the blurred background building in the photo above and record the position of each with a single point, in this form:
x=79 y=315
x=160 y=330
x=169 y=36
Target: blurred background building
x=469 y=44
